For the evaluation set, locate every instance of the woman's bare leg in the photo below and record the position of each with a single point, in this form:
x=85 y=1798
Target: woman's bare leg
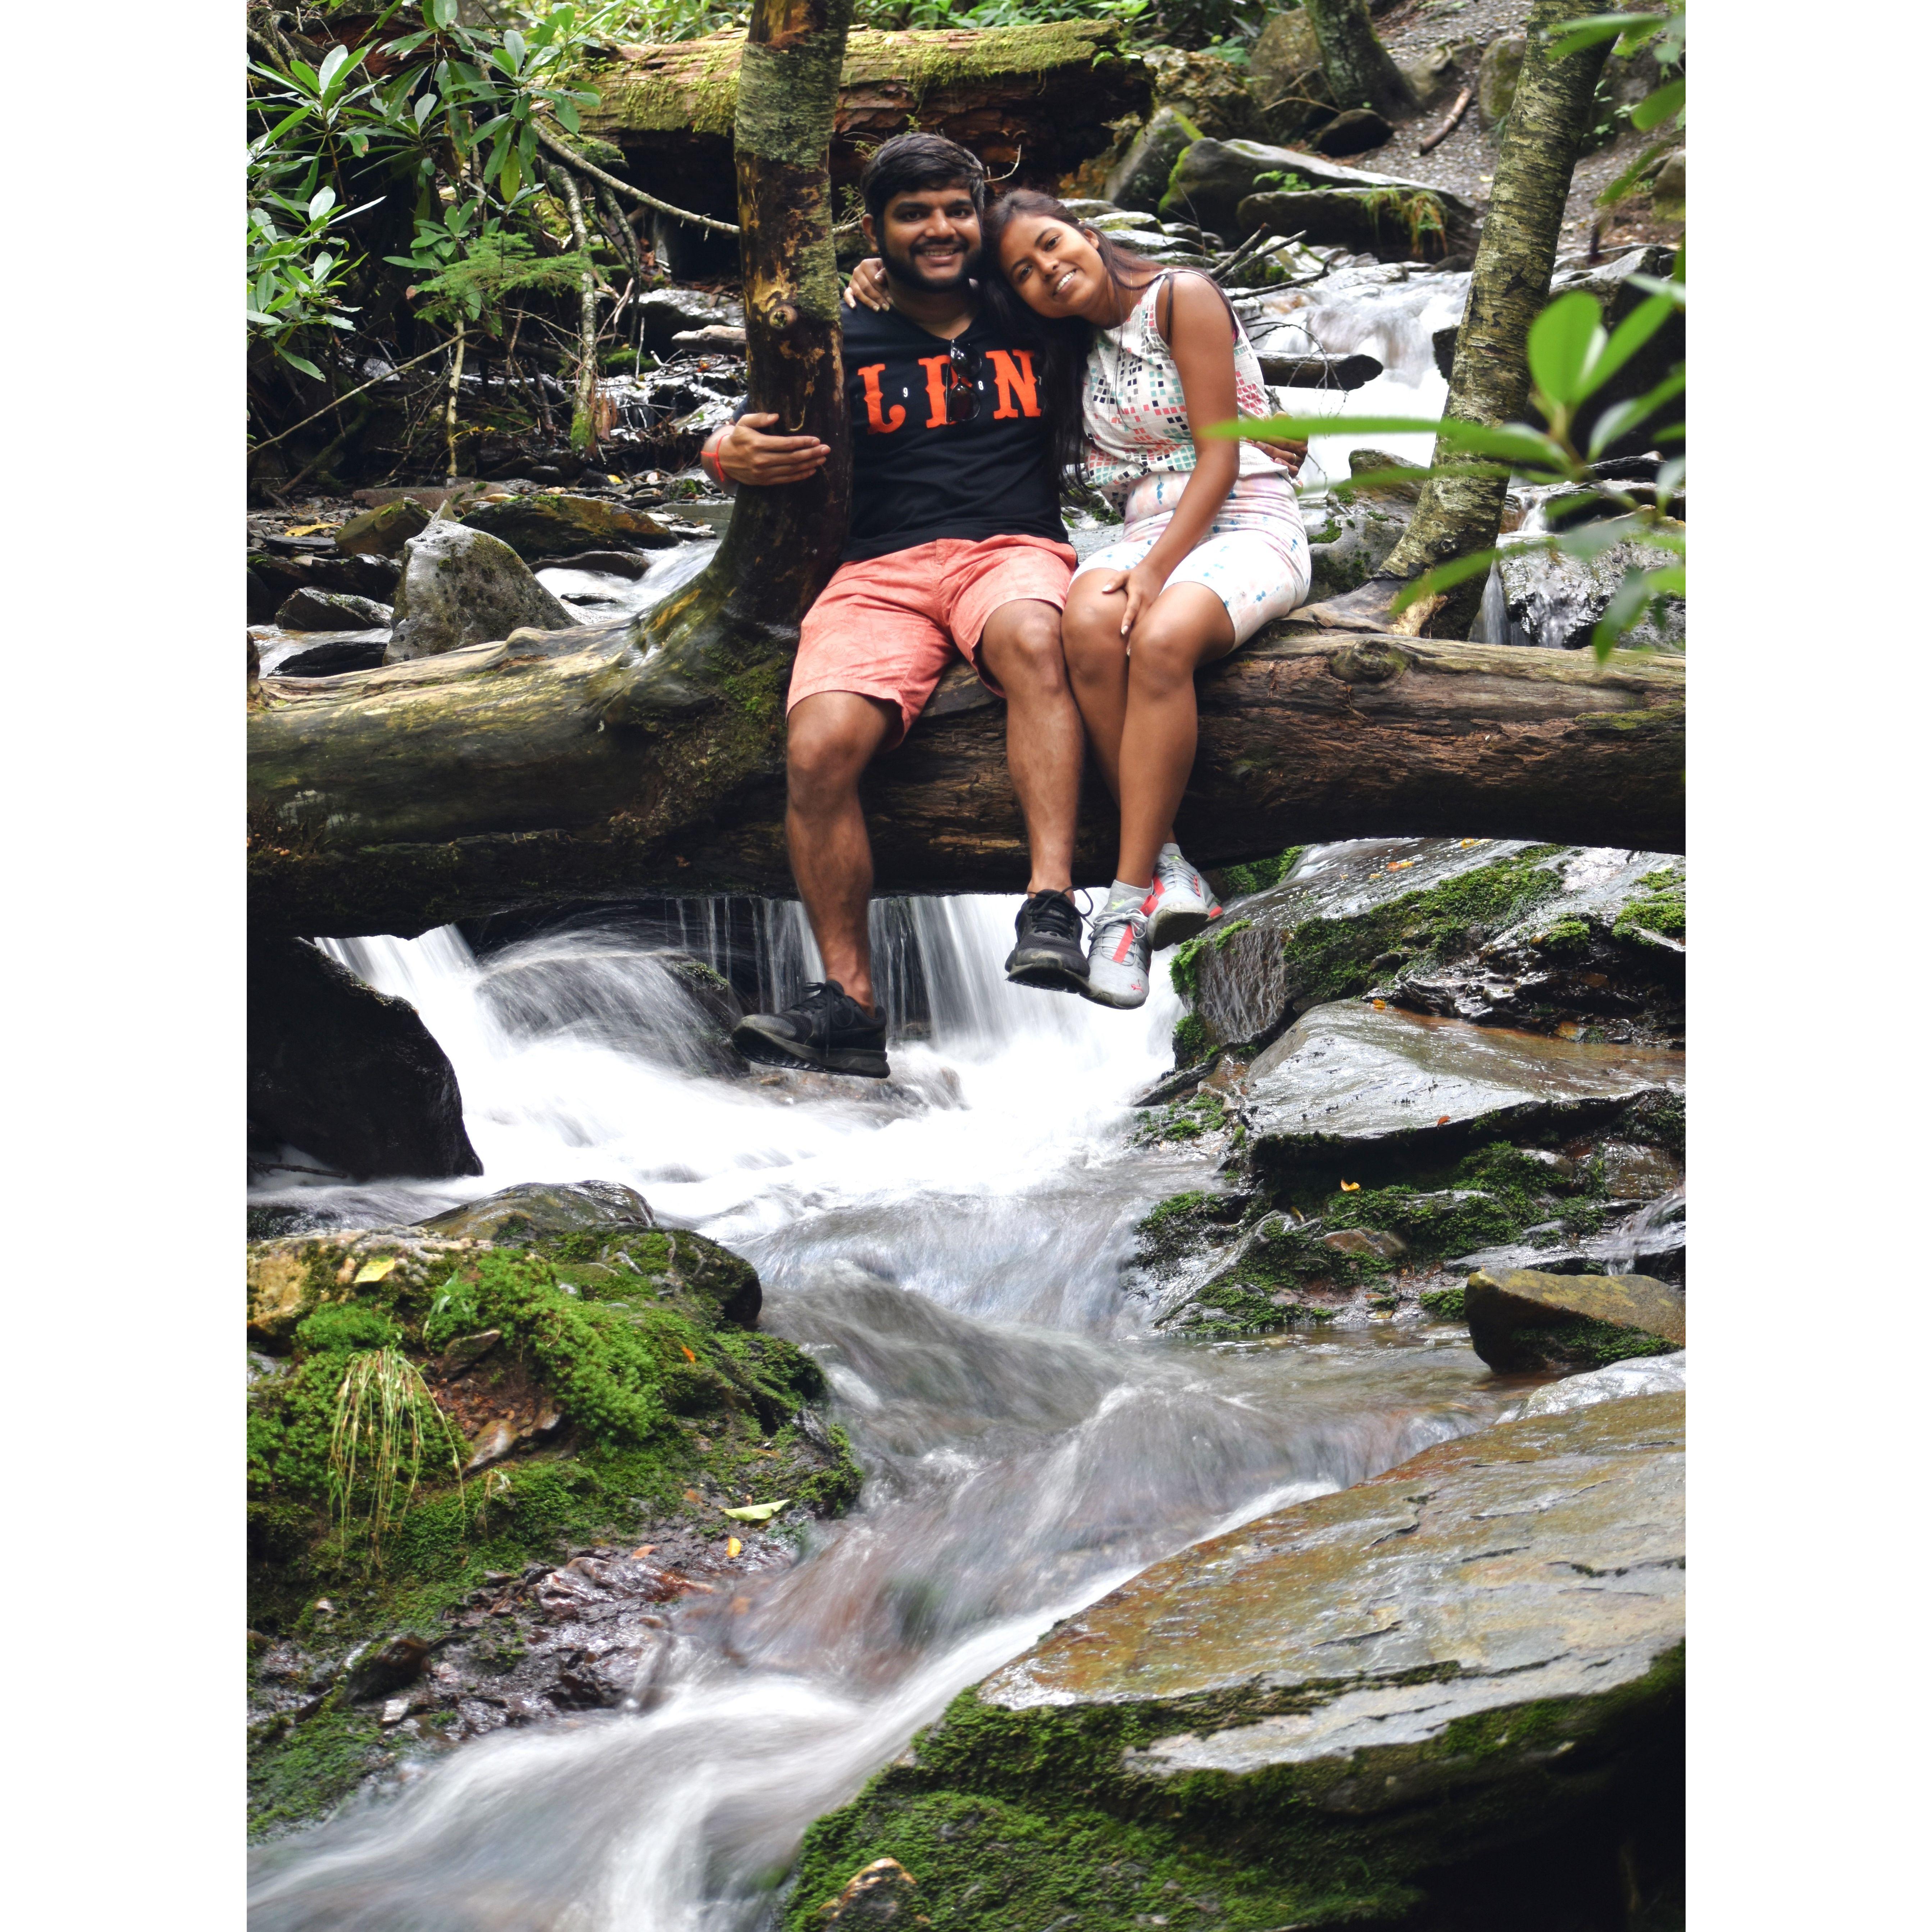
x=1187 y=626
x=1096 y=666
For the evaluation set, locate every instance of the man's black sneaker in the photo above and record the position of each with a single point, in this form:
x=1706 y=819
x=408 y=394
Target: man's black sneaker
x=1050 y=951
x=827 y=1029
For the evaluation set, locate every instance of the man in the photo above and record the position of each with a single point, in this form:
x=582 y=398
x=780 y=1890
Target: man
x=955 y=543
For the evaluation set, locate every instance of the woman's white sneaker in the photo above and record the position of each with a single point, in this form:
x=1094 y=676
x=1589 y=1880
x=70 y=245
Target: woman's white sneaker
x=1117 y=960
x=1179 y=904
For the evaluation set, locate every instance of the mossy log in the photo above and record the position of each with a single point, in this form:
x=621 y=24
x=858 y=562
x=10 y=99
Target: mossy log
x=492 y=778
x=1031 y=98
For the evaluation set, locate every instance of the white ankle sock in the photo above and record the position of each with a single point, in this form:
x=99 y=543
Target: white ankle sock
x=1170 y=851
x=1125 y=895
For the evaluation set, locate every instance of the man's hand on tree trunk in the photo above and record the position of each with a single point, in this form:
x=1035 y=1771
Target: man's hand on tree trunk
x=742 y=452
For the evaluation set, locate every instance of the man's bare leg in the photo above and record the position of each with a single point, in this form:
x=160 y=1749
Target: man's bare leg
x=1020 y=648
x=830 y=738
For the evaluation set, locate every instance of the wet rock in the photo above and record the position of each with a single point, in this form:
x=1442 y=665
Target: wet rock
x=1345 y=917
x=1313 y=1716
x=1366 y=1241
x=461 y=585
x=333 y=656
x=388 y=1667
x=714 y=339
x=1354 y=132
x=1213 y=177
x=309 y=610
x=883 y=1893
x=515 y=1217
x=1604 y=958
x=383 y=531
x=351 y=1077
x=1640 y=1375
x=1140 y=179
x=466 y=1350
x=672 y=312
x=1530 y=1319
x=272 y=580
x=1554 y=600
x=1496 y=78
x=551 y=524
x=1358 y=1091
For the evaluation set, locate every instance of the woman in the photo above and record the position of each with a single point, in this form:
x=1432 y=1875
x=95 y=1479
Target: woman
x=1136 y=360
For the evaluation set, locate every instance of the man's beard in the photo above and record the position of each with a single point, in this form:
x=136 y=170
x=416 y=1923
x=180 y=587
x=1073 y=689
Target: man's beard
x=906 y=268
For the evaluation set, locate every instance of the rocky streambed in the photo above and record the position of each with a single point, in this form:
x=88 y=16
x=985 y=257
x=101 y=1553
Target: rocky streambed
x=1351 y=1621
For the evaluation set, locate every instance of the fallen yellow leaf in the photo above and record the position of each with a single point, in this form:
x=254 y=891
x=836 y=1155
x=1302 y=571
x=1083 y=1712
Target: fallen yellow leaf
x=311 y=530
x=688 y=1355
x=643 y=1549
x=758 y=1512
x=1352 y=1187
x=383 y=1265
x=732 y=1546
x=1381 y=1006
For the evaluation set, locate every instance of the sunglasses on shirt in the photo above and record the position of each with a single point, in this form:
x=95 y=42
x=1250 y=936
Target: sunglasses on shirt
x=962 y=395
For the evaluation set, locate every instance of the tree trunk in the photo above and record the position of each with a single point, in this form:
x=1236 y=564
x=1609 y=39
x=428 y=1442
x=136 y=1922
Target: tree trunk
x=1508 y=286
x=1359 y=70
x=583 y=412
x=394 y=800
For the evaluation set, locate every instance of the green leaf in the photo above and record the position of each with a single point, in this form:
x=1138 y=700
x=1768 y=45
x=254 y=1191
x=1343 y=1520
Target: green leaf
x=510 y=176
x=757 y=1512
x=566 y=112
x=442 y=13
x=1630 y=335
x=1564 y=341
x=1593 y=29
x=513 y=45
x=333 y=62
x=1667 y=100
x=425 y=107
x=301 y=362
x=321 y=203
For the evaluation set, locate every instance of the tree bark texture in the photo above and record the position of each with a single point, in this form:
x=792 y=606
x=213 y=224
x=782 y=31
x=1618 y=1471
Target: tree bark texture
x=482 y=780
x=1030 y=97
x=1359 y=69
x=1508 y=286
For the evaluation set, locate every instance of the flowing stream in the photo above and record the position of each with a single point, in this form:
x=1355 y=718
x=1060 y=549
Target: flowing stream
x=951 y=1246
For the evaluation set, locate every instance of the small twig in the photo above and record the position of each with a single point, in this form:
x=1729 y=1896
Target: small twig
x=597 y=174
x=394 y=369
x=1450 y=125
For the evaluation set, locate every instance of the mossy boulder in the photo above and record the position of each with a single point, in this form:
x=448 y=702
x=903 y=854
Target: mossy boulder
x=1496 y=79
x=1212 y=179
x=1140 y=180
x=1360 y=1092
x=579 y=1410
x=1211 y=93
x=308 y=610
x=550 y=524
x=461 y=585
x=1529 y=1320
x=1322 y=1717
x=1394 y=224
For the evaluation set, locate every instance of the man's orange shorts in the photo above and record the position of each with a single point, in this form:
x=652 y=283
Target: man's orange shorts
x=886 y=627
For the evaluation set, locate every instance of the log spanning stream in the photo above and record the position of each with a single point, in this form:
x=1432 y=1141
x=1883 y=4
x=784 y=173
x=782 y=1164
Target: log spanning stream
x=951 y=1248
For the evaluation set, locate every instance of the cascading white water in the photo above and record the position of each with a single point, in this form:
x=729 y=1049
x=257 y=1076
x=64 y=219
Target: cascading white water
x=949 y=1246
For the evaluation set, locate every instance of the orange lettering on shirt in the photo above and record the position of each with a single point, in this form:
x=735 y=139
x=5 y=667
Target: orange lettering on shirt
x=1019 y=383
x=875 y=402
x=935 y=367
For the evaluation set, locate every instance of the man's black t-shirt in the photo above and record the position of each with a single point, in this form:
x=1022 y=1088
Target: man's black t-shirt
x=916 y=477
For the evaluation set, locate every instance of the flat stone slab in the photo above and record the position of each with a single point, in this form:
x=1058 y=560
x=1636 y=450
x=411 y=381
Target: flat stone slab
x=1530 y=1319
x=1310 y=1714
x=1353 y=1082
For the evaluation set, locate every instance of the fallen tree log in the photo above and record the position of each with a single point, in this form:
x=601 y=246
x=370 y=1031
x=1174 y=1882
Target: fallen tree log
x=1030 y=97
x=503 y=776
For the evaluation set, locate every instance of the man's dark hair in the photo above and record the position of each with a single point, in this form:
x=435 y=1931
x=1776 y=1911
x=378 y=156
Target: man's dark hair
x=907 y=162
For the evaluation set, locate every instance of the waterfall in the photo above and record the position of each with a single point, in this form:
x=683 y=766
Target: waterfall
x=948 y=1245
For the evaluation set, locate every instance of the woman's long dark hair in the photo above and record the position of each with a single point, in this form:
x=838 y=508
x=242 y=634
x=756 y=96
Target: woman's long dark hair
x=1061 y=345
